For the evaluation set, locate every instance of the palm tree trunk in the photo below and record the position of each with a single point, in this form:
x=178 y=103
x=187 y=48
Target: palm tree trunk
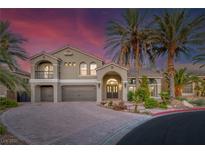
x=137 y=64
x=171 y=70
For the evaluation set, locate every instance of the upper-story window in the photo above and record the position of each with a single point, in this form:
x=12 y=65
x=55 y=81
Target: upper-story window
x=44 y=70
x=83 y=69
x=93 y=67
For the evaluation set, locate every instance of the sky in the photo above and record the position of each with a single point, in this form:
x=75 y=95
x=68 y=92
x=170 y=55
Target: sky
x=51 y=29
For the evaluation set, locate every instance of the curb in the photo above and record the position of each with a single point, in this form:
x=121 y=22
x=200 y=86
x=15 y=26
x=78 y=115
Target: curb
x=178 y=111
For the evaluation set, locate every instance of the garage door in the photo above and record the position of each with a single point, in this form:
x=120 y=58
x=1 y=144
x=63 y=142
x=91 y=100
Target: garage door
x=46 y=93
x=79 y=93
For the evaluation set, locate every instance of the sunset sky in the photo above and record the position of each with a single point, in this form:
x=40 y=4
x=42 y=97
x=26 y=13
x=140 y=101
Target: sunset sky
x=51 y=29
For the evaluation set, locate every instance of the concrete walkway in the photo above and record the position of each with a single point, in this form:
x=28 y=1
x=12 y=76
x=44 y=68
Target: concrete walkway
x=69 y=123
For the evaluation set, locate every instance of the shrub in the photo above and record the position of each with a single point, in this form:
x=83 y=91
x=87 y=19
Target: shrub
x=7 y=103
x=119 y=106
x=163 y=105
x=165 y=96
x=130 y=96
x=142 y=94
x=198 y=102
x=151 y=103
x=2 y=129
x=110 y=103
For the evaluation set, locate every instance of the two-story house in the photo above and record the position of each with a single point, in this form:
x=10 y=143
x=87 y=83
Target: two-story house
x=70 y=74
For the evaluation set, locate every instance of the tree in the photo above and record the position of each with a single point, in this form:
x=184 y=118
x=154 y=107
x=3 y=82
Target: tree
x=10 y=50
x=199 y=59
x=127 y=40
x=177 y=33
x=181 y=78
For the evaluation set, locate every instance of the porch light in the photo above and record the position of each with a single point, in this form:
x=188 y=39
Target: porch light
x=120 y=86
x=125 y=85
x=98 y=85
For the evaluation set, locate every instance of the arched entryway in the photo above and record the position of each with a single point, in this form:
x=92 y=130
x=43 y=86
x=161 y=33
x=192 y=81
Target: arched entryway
x=112 y=86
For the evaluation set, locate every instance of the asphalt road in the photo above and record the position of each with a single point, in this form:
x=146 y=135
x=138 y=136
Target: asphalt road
x=176 y=129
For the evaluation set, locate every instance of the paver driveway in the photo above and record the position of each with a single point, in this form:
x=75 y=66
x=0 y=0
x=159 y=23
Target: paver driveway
x=68 y=123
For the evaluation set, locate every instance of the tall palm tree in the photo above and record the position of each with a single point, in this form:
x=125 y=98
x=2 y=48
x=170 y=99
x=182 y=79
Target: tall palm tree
x=199 y=59
x=10 y=51
x=177 y=33
x=127 y=40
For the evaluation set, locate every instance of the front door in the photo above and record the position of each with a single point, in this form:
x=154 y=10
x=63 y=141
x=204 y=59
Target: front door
x=112 y=91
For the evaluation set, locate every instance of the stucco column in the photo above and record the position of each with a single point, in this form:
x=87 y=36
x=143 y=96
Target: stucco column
x=55 y=93
x=99 y=91
x=158 y=87
x=33 y=95
x=124 y=93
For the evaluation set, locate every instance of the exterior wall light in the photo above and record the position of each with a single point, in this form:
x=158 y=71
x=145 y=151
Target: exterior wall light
x=98 y=85
x=74 y=64
x=125 y=85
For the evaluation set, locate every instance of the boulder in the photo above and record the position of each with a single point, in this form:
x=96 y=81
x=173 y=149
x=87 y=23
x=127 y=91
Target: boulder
x=187 y=104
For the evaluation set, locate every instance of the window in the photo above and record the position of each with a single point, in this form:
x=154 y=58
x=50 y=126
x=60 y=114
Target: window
x=132 y=81
x=83 y=69
x=93 y=67
x=188 y=88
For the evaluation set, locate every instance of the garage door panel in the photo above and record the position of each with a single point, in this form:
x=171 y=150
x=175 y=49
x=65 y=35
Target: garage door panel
x=79 y=93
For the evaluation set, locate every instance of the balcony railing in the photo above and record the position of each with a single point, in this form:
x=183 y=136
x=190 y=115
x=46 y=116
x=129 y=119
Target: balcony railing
x=44 y=74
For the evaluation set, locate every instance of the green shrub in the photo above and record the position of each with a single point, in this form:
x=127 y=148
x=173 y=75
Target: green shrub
x=142 y=94
x=151 y=103
x=163 y=105
x=7 y=103
x=110 y=103
x=198 y=102
x=165 y=96
x=130 y=95
x=2 y=129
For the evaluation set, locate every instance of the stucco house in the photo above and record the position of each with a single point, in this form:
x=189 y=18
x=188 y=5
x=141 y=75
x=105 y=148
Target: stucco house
x=69 y=74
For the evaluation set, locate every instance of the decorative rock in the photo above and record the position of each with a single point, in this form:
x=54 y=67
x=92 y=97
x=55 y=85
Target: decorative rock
x=187 y=104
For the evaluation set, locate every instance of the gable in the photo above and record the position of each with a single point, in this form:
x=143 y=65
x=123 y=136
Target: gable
x=44 y=57
x=71 y=52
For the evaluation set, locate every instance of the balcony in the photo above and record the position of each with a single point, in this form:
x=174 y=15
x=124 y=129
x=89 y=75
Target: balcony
x=44 y=74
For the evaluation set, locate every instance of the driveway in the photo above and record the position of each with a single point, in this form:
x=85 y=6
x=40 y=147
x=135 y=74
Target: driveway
x=69 y=123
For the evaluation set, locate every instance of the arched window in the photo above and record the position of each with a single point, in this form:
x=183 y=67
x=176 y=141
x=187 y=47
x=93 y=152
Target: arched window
x=83 y=69
x=93 y=67
x=45 y=70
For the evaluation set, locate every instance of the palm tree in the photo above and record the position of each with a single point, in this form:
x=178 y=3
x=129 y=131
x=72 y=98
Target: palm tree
x=181 y=78
x=10 y=50
x=176 y=33
x=199 y=59
x=127 y=40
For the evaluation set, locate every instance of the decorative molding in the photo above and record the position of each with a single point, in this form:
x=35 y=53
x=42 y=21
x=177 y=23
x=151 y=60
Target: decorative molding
x=78 y=81
x=43 y=80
